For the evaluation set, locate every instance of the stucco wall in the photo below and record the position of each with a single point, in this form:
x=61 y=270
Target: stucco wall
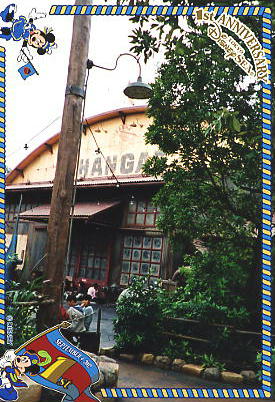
x=123 y=146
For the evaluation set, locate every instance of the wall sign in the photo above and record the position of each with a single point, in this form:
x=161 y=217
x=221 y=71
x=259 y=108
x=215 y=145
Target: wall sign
x=232 y=49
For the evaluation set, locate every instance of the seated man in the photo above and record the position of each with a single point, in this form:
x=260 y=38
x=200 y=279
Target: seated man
x=88 y=311
x=76 y=315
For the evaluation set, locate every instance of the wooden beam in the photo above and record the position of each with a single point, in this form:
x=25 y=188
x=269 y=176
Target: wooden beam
x=122 y=116
x=191 y=321
x=68 y=150
x=20 y=171
x=190 y=338
x=49 y=147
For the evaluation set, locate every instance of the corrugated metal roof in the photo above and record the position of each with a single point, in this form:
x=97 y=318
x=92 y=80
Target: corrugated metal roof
x=28 y=186
x=81 y=210
x=106 y=181
x=121 y=180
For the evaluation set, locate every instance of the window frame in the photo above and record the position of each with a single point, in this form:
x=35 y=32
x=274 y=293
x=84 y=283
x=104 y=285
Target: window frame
x=75 y=270
x=140 y=261
x=146 y=212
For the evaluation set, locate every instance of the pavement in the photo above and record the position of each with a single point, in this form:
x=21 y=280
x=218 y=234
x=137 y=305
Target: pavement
x=134 y=375
x=108 y=315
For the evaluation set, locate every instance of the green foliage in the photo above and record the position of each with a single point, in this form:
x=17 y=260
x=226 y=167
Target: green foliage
x=24 y=316
x=209 y=360
x=12 y=258
x=169 y=31
x=143 y=325
x=212 y=186
x=217 y=283
x=215 y=288
x=207 y=122
x=139 y=322
x=178 y=349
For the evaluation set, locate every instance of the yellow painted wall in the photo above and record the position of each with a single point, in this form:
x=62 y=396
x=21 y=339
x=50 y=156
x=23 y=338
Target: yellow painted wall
x=122 y=144
x=41 y=169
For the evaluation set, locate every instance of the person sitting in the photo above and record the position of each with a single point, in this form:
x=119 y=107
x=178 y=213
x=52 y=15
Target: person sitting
x=93 y=292
x=88 y=311
x=76 y=315
x=63 y=315
x=81 y=291
x=68 y=288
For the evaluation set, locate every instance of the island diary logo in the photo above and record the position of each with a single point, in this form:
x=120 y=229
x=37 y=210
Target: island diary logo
x=233 y=50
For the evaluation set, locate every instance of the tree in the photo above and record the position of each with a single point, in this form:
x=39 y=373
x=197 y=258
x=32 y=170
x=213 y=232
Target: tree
x=206 y=119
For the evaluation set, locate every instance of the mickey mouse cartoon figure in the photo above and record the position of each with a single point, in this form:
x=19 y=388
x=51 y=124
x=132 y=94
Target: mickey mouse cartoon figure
x=12 y=368
x=23 y=29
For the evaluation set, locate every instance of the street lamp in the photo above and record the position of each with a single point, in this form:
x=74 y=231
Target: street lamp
x=134 y=90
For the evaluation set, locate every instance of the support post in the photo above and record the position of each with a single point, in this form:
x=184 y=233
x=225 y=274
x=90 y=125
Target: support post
x=58 y=225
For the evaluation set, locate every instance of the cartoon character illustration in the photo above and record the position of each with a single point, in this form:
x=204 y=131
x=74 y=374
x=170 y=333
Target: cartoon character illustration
x=12 y=368
x=51 y=361
x=23 y=29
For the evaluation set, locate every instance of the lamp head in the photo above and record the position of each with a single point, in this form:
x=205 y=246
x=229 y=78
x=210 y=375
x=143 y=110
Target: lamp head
x=138 y=90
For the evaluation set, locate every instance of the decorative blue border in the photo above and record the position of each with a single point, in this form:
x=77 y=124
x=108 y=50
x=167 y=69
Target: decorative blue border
x=154 y=10
x=265 y=391
x=2 y=195
x=266 y=209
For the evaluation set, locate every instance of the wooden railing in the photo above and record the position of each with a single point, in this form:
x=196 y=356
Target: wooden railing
x=191 y=322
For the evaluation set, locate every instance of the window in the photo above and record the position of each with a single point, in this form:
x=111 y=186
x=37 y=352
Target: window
x=141 y=255
x=12 y=209
x=142 y=213
x=72 y=262
x=93 y=260
x=89 y=257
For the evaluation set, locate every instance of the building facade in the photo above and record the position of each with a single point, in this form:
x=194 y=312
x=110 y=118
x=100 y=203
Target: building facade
x=114 y=234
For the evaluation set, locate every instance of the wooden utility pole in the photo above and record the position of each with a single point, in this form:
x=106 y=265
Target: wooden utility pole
x=58 y=226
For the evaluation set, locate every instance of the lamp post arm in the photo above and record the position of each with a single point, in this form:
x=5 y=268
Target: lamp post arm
x=91 y=64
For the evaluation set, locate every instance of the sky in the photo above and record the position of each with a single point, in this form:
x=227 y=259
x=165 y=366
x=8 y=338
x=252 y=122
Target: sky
x=36 y=104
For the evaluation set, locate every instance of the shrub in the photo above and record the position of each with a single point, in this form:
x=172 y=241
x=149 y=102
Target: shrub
x=216 y=285
x=24 y=316
x=179 y=349
x=209 y=360
x=140 y=320
x=214 y=293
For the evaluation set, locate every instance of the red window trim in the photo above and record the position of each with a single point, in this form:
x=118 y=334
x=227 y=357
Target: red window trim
x=76 y=272
x=136 y=213
x=140 y=260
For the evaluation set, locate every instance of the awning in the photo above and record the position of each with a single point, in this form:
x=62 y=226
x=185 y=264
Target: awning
x=81 y=210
